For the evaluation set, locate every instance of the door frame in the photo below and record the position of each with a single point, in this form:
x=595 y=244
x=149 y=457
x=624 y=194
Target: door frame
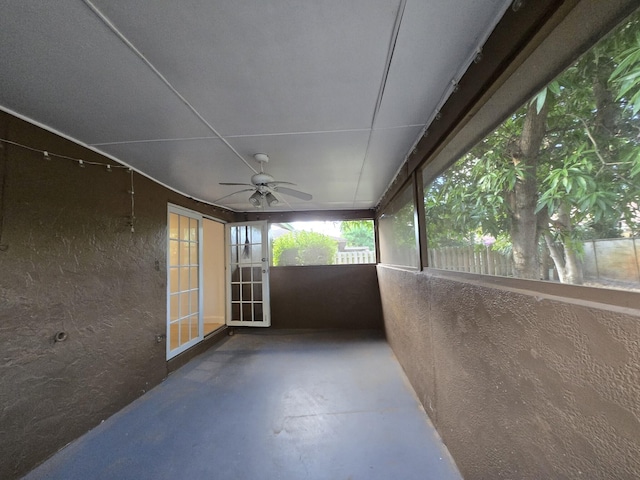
x=224 y=266
x=265 y=265
x=171 y=208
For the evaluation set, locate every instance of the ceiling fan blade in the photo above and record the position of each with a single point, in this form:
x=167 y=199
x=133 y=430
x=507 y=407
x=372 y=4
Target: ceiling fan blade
x=231 y=194
x=237 y=184
x=293 y=193
x=270 y=184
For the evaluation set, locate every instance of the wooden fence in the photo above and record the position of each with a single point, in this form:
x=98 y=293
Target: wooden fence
x=366 y=256
x=616 y=259
x=471 y=259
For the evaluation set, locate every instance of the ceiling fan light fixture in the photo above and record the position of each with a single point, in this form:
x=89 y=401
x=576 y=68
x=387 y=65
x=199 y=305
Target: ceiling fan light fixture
x=255 y=199
x=271 y=199
x=264 y=185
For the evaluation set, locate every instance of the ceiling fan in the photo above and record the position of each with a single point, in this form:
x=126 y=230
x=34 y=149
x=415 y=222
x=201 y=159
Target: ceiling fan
x=264 y=186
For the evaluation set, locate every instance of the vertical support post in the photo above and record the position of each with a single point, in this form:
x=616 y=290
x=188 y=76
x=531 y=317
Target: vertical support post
x=635 y=255
x=595 y=258
x=376 y=235
x=420 y=218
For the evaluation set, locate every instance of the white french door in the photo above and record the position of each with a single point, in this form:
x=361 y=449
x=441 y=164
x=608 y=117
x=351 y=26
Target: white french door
x=184 y=278
x=248 y=274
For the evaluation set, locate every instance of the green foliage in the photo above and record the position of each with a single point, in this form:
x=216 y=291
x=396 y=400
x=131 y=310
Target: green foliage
x=502 y=244
x=626 y=76
x=304 y=248
x=541 y=98
x=587 y=169
x=358 y=233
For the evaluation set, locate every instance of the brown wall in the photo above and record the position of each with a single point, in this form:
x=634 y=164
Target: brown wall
x=69 y=263
x=327 y=296
x=520 y=384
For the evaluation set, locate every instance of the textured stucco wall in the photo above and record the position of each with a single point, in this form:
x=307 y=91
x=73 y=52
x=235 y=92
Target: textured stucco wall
x=325 y=296
x=72 y=264
x=520 y=384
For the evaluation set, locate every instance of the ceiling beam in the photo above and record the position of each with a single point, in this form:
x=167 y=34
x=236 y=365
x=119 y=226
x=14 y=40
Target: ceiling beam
x=306 y=216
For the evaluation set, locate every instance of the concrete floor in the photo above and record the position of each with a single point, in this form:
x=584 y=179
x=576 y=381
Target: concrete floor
x=269 y=404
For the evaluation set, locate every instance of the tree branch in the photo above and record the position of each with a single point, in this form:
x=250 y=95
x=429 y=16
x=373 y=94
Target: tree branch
x=595 y=144
x=556 y=255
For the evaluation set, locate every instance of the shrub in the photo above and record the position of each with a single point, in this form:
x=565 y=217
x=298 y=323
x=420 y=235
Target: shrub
x=304 y=248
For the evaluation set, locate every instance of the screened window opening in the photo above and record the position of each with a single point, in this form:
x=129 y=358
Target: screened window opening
x=397 y=231
x=322 y=243
x=554 y=192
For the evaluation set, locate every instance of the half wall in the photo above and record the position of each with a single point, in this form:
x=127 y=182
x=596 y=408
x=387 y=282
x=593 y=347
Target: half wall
x=520 y=383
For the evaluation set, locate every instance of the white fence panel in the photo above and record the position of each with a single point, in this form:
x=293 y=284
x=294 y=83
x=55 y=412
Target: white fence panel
x=470 y=259
x=346 y=258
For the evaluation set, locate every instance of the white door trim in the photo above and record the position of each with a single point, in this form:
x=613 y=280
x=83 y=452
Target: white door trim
x=171 y=208
x=261 y=263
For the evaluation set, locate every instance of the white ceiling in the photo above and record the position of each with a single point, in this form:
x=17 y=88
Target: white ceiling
x=336 y=92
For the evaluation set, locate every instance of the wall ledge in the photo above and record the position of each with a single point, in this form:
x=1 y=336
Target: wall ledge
x=611 y=299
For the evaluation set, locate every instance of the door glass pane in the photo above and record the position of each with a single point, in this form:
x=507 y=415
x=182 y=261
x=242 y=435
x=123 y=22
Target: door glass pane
x=184 y=279
x=235 y=273
x=193 y=255
x=256 y=235
x=235 y=255
x=256 y=253
x=174 y=258
x=235 y=292
x=194 y=326
x=194 y=302
x=184 y=304
x=235 y=311
x=193 y=282
x=257 y=291
x=184 y=330
x=247 y=314
x=258 y=314
x=174 y=304
x=257 y=274
x=193 y=229
x=174 y=335
x=235 y=236
x=246 y=291
x=173 y=280
x=184 y=228
x=173 y=226
x=184 y=253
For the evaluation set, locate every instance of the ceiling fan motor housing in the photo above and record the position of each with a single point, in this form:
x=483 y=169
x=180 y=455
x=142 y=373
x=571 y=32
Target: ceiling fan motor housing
x=261 y=179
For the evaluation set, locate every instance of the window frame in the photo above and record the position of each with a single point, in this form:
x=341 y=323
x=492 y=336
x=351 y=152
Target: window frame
x=548 y=43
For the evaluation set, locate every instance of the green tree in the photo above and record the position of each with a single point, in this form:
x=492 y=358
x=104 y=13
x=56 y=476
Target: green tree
x=304 y=248
x=560 y=169
x=358 y=233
